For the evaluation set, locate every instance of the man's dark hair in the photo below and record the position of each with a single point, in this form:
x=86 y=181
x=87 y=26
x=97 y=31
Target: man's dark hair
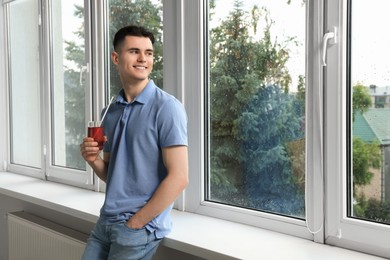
x=131 y=30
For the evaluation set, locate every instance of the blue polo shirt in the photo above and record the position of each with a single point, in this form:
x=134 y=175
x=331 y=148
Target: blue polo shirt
x=136 y=132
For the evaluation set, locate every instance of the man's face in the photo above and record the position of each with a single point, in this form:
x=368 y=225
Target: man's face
x=134 y=59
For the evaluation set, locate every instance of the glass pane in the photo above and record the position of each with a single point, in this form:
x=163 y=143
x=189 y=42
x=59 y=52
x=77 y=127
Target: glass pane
x=257 y=105
x=25 y=84
x=370 y=114
x=69 y=70
x=147 y=13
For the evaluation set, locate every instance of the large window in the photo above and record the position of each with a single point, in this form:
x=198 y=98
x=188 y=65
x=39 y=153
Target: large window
x=55 y=78
x=370 y=113
x=256 y=101
x=287 y=104
x=356 y=126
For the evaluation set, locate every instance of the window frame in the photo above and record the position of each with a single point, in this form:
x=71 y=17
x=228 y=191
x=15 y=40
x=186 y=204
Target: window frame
x=48 y=171
x=193 y=16
x=55 y=173
x=342 y=230
x=30 y=171
x=185 y=77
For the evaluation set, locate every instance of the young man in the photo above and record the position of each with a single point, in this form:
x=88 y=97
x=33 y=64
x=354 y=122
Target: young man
x=144 y=164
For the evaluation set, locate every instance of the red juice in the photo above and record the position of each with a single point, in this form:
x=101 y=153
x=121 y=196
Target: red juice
x=97 y=134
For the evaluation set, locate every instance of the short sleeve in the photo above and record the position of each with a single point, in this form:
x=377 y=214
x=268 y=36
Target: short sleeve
x=172 y=124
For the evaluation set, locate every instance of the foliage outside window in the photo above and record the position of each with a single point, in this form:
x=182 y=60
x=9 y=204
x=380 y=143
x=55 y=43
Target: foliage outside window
x=369 y=173
x=257 y=110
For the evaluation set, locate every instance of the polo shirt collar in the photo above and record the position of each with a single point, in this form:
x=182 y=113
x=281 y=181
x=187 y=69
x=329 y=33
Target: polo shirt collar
x=142 y=97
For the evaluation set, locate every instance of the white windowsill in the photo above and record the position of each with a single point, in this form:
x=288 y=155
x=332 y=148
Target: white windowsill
x=198 y=235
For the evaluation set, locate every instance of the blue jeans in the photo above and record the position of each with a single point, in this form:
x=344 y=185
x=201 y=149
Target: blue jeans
x=119 y=242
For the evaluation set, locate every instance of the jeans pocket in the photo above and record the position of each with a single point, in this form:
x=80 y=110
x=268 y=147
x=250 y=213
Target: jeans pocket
x=126 y=236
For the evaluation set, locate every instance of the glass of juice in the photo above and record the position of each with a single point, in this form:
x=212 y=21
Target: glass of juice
x=95 y=130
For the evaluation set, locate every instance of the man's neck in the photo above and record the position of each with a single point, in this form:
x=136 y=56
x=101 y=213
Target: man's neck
x=133 y=89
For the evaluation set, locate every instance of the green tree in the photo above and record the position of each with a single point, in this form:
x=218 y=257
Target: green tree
x=252 y=113
x=361 y=100
x=365 y=157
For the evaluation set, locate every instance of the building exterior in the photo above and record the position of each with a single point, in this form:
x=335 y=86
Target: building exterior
x=375 y=125
x=380 y=96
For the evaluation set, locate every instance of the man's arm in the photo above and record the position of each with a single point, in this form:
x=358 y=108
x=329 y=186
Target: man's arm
x=176 y=161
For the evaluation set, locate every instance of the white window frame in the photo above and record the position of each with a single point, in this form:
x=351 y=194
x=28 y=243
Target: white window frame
x=30 y=171
x=48 y=171
x=342 y=231
x=66 y=175
x=184 y=76
x=193 y=56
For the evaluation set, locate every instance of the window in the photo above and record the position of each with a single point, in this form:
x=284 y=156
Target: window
x=254 y=118
x=369 y=176
x=260 y=95
x=355 y=129
x=58 y=62
x=69 y=73
x=25 y=81
x=256 y=98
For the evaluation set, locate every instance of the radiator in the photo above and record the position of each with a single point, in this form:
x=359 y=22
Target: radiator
x=34 y=238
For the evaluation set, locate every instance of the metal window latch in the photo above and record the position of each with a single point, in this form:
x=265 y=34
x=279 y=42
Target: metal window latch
x=328 y=38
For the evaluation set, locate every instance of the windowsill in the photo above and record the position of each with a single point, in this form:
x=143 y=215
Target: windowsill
x=194 y=234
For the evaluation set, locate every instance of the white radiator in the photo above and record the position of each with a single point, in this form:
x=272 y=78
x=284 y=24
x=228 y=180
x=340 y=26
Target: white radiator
x=34 y=238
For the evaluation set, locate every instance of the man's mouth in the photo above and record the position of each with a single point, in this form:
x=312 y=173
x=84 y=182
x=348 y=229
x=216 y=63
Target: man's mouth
x=140 y=67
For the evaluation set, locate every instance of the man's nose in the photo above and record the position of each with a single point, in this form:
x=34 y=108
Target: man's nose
x=141 y=57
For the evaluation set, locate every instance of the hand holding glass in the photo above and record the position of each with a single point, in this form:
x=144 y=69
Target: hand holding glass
x=95 y=130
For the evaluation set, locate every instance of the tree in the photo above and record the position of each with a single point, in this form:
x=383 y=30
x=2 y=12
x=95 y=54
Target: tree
x=361 y=100
x=365 y=156
x=252 y=115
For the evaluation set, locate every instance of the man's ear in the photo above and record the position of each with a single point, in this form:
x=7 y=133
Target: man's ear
x=115 y=57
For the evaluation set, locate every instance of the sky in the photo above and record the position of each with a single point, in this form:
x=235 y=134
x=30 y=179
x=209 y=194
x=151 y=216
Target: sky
x=370 y=38
x=371 y=42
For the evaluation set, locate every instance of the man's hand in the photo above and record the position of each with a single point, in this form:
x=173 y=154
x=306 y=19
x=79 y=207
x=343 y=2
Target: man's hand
x=89 y=149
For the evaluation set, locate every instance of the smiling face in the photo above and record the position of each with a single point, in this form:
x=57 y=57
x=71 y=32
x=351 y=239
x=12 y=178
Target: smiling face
x=134 y=59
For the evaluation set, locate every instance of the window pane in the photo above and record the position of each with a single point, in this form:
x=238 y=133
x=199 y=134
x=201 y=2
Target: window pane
x=146 y=13
x=69 y=69
x=24 y=79
x=370 y=115
x=257 y=105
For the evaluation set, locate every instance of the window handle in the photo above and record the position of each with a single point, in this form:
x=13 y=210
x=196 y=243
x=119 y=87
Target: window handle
x=329 y=38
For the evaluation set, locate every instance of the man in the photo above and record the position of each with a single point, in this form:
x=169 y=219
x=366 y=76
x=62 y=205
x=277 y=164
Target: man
x=145 y=160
